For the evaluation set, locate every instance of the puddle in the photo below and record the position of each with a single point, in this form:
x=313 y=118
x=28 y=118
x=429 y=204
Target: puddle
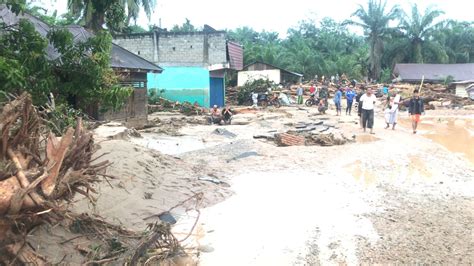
x=456 y=136
x=359 y=172
x=172 y=145
x=417 y=167
x=366 y=138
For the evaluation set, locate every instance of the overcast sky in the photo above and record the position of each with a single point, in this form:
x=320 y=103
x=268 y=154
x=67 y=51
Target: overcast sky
x=269 y=15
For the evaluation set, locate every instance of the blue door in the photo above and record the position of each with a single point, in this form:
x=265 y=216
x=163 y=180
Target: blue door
x=217 y=92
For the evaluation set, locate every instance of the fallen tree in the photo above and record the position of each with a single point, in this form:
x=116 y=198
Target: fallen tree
x=40 y=173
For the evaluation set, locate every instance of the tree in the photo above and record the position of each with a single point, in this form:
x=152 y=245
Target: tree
x=116 y=14
x=417 y=30
x=187 y=26
x=375 y=22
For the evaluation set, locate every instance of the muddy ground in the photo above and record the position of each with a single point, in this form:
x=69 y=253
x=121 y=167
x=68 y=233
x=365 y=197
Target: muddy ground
x=388 y=198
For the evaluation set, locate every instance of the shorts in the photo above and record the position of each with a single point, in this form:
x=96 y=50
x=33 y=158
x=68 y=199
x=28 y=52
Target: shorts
x=416 y=118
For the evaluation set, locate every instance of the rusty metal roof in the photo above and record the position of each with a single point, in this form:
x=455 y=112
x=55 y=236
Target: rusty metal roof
x=434 y=72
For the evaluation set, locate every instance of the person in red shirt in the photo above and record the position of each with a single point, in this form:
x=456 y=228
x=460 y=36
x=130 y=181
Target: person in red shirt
x=312 y=90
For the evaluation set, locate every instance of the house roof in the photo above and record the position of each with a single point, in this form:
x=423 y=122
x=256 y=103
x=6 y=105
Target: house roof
x=120 y=57
x=464 y=82
x=274 y=67
x=434 y=72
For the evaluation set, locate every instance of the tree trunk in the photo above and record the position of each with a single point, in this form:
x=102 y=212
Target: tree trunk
x=417 y=53
x=376 y=50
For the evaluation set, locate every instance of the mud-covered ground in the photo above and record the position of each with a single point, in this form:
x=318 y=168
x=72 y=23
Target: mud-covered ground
x=389 y=198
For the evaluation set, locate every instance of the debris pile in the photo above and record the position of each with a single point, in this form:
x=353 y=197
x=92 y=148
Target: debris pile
x=185 y=108
x=40 y=173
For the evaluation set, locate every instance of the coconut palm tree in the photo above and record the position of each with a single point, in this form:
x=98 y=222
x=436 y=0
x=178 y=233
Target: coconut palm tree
x=418 y=29
x=95 y=13
x=374 y=20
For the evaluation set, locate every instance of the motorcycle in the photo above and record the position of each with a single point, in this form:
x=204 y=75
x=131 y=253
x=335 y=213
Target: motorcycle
x=313 y=100
x=264 y=101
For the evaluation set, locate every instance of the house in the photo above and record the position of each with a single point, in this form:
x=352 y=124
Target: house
x=194 y=63
x=470 y=91
x=260 y=70
x=462 y=87
x=433 y=73
x=132 y=70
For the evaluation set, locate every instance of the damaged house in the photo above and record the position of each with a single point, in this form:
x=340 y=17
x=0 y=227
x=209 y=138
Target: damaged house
x=260 y=70
x=132 y=70
x=194 y=63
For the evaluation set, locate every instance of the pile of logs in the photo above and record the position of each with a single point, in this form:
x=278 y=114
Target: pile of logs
x=38 y=172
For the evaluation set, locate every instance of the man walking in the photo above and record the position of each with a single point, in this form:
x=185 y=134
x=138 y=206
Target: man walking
x=415 y=109
x=350 y=94
x=337 y=101
x=368 y=103
x=393 y=103
x=299 y=93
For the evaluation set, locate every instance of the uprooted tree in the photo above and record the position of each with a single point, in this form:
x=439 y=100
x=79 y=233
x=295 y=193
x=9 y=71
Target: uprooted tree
x=40 y=173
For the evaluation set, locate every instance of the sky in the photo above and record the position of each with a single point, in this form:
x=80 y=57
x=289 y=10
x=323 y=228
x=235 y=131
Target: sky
x=268 y=15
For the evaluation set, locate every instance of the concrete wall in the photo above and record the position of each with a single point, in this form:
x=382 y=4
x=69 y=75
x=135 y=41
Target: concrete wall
x=461 y=90
x=244 y=76
x=181 y=84
x=142 y=45
x=197 y=49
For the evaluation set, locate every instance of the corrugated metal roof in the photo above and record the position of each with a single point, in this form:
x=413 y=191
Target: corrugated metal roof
x=120 y=57
x=434 y=72
x=236 y=55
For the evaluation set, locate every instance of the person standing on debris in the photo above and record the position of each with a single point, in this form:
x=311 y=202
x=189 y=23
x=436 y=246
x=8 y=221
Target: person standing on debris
x=393 y=103
x=299 y=93
x=337 y=101
x=350 y=94
x=368 y=103
x=416 y=109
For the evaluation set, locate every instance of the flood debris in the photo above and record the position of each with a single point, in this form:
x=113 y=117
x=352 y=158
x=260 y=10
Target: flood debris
x=40 y=172
x=224 y=132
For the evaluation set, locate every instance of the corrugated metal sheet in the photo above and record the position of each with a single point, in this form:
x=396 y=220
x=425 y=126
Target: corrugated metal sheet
x=434 y=72
x=264 y=66
x=235 y=53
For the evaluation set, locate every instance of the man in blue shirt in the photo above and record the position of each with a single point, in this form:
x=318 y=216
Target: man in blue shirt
x=350 y=94
x=337 y=101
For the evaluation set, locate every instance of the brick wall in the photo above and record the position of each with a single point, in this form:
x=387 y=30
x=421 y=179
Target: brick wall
x=134 y=113
x=140 y=44
x=177 y=49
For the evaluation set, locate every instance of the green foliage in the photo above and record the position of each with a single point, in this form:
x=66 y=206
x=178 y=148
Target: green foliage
x=386 y=76
x=448 y=80
x=258 y=86
x=187 y=26
x=134 y=29
x=154 y=95
x=61 y=117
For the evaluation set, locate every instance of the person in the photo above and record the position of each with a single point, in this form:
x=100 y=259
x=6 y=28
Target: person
x=216 y=116
x=254 y=99
x=350 y=94
x=337 y=101
x=368 y=103
x=227 y=114
x=323 y=95
x=322 y=107
x=312 y=90
x=393 y=103
x=299 y=93
x=385 y=89
x=359 y=104
x=416 y=109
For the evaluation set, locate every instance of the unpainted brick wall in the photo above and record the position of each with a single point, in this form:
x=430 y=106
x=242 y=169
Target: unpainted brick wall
x=134 y=113
x=141 y=45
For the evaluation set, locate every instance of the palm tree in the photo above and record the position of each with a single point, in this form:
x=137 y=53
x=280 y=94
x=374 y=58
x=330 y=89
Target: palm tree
x=375 y=22
x=93 y=13
x=418 y=29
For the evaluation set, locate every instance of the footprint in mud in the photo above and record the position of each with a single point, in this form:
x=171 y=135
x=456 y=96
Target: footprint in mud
x=361 y=173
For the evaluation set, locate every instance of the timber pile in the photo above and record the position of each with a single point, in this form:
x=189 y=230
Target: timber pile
x=186 y=108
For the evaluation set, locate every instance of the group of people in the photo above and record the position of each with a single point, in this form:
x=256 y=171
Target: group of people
x=367 y=103
x=218 y=116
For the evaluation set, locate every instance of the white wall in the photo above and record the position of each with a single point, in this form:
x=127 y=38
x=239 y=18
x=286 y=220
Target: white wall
x=244 y=76
x=461 y=90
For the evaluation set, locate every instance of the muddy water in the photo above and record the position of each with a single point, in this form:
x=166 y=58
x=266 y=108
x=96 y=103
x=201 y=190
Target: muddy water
x=456 y=136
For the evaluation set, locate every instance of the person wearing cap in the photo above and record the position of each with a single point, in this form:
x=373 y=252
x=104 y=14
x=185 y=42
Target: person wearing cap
x=216 y=116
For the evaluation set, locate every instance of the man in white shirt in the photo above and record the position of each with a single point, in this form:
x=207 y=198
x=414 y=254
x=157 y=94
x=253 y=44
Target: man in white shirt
x=368 y=103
